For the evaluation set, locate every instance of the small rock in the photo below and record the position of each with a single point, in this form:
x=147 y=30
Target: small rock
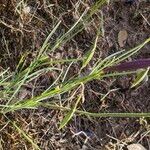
x=135 y=147
x=122 y=38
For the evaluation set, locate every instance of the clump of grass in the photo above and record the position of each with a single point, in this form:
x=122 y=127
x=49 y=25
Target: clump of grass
x=98 y=72
x=111 y=66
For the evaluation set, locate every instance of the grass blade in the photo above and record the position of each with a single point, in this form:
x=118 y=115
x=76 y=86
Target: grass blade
x=140 y=77
x=89 y=54
x=69 y=114
x=35 y=146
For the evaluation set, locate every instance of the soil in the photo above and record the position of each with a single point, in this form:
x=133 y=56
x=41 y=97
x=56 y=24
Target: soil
x=19 y=34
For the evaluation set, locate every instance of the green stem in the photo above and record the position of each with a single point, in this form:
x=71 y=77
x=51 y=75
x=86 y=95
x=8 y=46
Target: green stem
x=80 y=112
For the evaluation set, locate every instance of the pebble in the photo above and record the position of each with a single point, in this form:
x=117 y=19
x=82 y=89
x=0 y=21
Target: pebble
x=135 y=147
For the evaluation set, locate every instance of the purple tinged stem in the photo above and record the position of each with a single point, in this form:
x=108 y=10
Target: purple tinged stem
x=129 y=66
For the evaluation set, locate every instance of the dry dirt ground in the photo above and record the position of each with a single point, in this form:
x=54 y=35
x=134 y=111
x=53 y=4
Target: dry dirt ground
x=23 y=28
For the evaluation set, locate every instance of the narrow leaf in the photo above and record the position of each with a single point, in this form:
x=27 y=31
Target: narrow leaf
x=69 y=114
x=27 y=137
x=66 y=119
x=132 y=65
x=140 y=77
x=89 y=54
